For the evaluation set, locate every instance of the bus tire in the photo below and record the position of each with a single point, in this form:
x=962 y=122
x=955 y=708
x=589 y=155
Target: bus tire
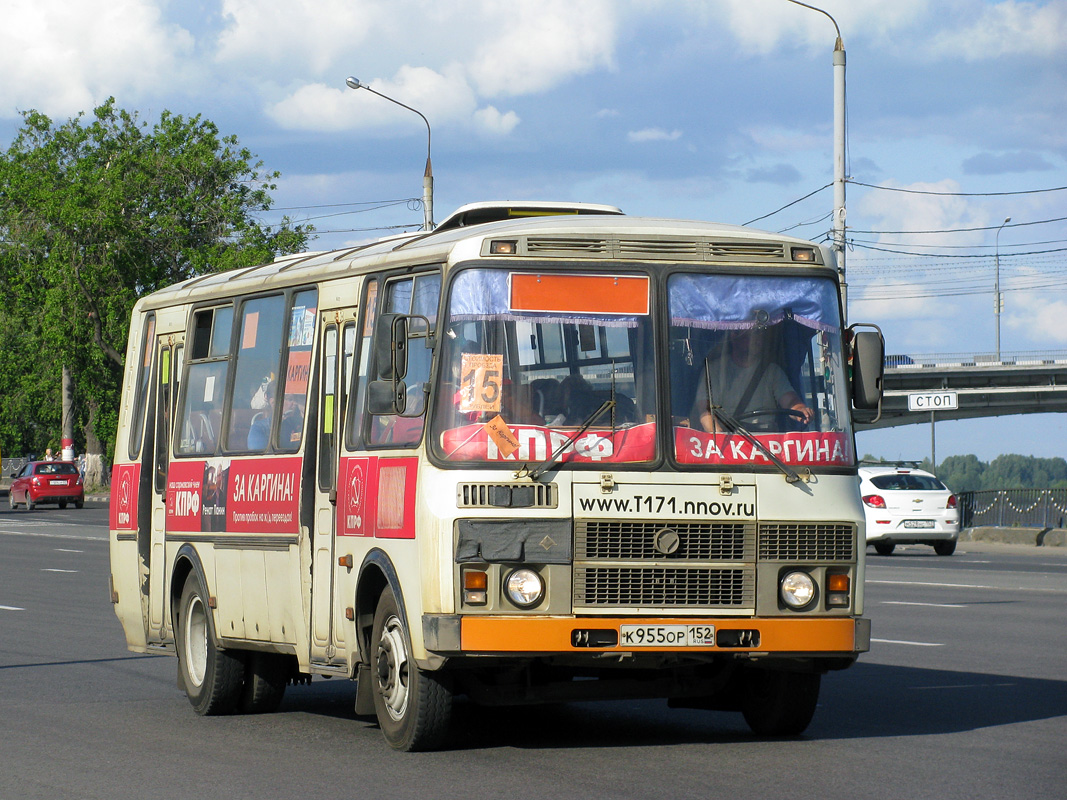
x=213 y=678
x=266 y=676
x=777 y=703
x=414 y=707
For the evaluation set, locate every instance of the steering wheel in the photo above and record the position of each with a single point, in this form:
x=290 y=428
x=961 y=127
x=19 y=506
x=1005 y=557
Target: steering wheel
x=775 y=416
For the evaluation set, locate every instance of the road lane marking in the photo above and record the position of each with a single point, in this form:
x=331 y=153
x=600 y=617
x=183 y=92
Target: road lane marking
x=930 y=583
x=930 y=605
x=11 y=608
x=970 y=586
x=79 y=537
x=50 y=569
x=910 y=644
x=68 y=550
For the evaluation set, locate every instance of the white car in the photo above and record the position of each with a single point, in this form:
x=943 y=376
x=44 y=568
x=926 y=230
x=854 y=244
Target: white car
x=906 y=505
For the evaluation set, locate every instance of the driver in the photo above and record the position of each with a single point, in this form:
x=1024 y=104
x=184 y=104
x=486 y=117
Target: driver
x=744 y=383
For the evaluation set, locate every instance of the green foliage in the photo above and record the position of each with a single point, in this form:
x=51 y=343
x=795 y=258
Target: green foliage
x=968 y=474
x=93 y=215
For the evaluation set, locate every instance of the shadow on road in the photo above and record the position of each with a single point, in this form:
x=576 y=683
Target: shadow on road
x=868 y=701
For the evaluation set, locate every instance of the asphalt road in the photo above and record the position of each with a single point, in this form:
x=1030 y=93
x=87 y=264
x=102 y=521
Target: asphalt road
x=964 y=695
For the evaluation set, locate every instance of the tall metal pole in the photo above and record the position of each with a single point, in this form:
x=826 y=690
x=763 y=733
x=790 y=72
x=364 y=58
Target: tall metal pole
x=427 y=176
x=839 y=164
x=998 y=301
x=839 y=153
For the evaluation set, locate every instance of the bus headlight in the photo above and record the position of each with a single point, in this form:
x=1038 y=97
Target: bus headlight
x=524 y=588
x=797 y=589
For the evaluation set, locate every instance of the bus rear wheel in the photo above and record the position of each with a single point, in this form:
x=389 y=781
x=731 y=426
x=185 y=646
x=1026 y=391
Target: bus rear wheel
x=779 y=703
x=213 y=678
x=413 y=706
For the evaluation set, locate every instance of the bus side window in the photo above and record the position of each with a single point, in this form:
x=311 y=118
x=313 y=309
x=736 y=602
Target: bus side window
x=256 y=379
x=297 y=369
x=201 y=400
x=417 y=295
x=144 y=376
x=354 y=411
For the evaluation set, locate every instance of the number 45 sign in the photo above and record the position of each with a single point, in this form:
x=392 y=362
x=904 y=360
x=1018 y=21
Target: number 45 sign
x=482 y=374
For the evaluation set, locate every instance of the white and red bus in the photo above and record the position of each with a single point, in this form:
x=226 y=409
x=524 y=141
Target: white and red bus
x=539 y=453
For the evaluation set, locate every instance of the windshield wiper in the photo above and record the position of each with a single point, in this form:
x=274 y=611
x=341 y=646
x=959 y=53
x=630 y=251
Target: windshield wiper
x=607 y=404
x=732 y=424
x=543 y=467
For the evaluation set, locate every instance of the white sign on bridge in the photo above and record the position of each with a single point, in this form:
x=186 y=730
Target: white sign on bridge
x=933 y=401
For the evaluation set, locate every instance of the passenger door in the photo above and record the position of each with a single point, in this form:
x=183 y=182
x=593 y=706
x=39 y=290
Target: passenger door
x=169 y=353
x=336 y=351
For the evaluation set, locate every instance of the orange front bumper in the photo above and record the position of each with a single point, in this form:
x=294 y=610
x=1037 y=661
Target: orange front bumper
x=557 y=634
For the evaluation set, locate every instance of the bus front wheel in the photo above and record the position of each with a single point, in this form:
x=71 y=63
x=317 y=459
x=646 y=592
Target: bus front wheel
x=213 y=678
x=777 y=703
x=413 y=706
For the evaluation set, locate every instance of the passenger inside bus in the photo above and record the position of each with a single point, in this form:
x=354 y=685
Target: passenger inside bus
x=748 y=386
x=263 y=404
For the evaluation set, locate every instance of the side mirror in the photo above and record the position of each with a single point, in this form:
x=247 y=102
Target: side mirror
x=868 y=368
x=387 y=397
x=391 y=346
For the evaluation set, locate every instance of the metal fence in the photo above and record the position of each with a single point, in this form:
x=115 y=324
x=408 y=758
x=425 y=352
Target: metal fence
x=9 y=465
x=1014 y=508
x=1018 y=358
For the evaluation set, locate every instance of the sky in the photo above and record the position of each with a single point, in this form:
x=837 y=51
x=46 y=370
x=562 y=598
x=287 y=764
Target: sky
x=715 y=110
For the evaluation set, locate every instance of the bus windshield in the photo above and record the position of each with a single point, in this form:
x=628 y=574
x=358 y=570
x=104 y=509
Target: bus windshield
x=560 y=368
x=756 y=371
x=546 y=367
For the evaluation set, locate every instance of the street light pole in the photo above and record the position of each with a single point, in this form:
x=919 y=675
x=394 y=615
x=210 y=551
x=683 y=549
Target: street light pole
x=427 y=176
x=997 y=301
x=839 y=153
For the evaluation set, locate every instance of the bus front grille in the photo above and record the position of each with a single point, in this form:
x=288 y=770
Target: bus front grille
x=622 y=540
x=807 y=541
x=663 y=587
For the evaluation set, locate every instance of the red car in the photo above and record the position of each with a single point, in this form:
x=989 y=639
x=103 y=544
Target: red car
x=47 y=482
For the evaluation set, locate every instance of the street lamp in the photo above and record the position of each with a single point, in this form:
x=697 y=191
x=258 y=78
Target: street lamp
x=998 y=301
x=427 y=177
x=839 y=152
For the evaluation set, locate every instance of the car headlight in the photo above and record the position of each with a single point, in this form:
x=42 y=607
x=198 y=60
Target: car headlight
x=524 y=588
x=797 y=589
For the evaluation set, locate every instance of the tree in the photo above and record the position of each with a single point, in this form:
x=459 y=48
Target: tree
x=94 y=214
x=962 y=473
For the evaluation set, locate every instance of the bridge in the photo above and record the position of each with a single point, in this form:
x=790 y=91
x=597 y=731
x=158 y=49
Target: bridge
x=968 y=385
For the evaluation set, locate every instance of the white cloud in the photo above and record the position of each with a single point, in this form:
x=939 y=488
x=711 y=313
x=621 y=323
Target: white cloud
x=765 y=26
x=530 y=47
x=316 y=35
x=886 y=300
x=61 y=57
x=491 y=120
x=1034 y=313
x=937 y=211
x=439 y=97
x=1006 y=29
x=653 y=135
x=786 y=140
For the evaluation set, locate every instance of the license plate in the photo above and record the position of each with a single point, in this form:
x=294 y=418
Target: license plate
x=57 y=483
x=666 y=636
x=918 y=523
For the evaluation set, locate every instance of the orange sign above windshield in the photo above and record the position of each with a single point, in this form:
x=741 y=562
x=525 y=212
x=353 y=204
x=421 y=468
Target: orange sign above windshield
x=579 y=294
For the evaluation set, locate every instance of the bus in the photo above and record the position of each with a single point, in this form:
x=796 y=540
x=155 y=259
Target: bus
x=542 y=453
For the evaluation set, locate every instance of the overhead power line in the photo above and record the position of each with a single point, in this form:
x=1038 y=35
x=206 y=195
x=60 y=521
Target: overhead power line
x=966 y=230
x=955 y=194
